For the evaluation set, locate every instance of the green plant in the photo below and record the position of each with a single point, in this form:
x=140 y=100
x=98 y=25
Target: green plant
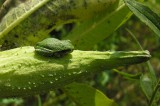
x=28 y=22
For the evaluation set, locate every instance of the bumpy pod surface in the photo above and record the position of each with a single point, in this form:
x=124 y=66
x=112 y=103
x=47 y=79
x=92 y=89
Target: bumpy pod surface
x=23 y=72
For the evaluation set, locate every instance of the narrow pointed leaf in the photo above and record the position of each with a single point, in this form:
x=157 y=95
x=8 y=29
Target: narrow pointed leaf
x=145 y=14
x=147 y=86
x=98 y=28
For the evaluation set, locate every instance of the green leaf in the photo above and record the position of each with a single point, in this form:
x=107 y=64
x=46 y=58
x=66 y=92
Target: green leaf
x=84 y=95
x=1 y=2
x=145 y=14
x=5 y=6
x=128 y=76
x=33 y=20
x=147 y=85
x=150 y=89
x=98 y=28
x=154 y=100
x=14 y=17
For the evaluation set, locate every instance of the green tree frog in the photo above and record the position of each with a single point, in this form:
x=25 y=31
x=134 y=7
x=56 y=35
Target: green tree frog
x=54 y=47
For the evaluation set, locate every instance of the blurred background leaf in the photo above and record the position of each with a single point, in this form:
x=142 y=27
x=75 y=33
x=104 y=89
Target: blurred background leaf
x=85 y=95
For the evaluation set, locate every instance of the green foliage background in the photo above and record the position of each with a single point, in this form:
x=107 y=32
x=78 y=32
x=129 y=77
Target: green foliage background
x=126 y=92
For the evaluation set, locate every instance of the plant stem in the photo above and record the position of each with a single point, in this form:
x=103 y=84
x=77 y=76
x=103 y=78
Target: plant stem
x=39 y=100
x=154 y=93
